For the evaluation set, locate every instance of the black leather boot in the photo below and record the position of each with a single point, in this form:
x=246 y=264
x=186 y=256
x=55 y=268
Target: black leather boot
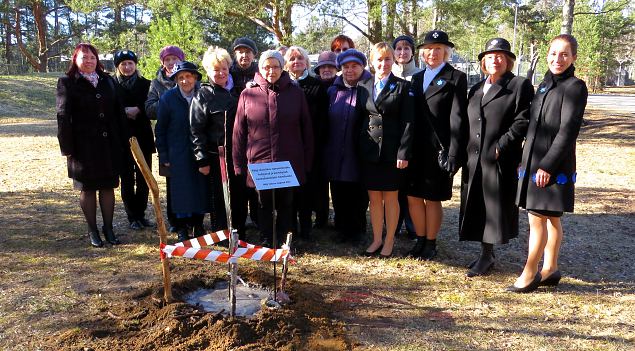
x=418 y=248
x=485 y=262
x=110 y=236
x=95 y=240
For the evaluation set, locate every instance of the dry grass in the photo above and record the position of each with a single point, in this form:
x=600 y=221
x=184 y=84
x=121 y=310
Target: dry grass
x=52 y=281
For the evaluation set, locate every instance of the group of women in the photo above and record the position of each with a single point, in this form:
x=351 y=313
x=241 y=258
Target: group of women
x=371 y=137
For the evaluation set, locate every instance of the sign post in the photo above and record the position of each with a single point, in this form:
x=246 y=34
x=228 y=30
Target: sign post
x=272 y=176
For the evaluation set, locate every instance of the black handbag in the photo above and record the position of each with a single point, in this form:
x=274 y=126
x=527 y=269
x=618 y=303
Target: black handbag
x=442 y=158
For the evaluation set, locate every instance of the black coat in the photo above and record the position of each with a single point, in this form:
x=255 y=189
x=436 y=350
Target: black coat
x=139 y=127
x=91 y=130
x=207 y=121
x=444 y=107
x=385 y=134
x=317 y=101
x=496 y=121
x=556 y=117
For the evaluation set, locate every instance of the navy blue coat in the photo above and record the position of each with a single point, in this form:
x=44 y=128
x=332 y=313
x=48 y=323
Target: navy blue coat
x=188 y=186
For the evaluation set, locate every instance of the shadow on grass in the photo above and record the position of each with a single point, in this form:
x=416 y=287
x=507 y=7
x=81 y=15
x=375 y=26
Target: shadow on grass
x=615 y=127
x=38 y=128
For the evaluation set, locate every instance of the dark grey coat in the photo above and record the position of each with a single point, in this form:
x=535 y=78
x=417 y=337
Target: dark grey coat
x=158 y=86
x=91 y=129
x=497 y=120
x=556 y=117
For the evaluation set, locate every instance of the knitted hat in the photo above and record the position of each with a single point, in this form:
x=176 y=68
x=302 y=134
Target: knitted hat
x=351 y=55
x=407 y=38
x=275 y=54
x=325 y=58
x=245 y=43
x=171 y=50
x=124 y=55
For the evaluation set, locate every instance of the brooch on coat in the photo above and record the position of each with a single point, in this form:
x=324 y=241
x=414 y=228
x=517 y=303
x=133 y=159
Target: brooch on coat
x=542 y=90
x=440 y=82
x=392 y=86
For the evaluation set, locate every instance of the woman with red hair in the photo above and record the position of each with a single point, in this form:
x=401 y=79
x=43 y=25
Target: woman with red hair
x=91 y=136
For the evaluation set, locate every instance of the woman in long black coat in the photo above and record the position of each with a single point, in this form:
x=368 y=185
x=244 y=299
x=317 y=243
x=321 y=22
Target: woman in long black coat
x=384 y=144
x=132 y=90
x=440 y=103
x=498 y=115
x=548 y=170
x=92 y=136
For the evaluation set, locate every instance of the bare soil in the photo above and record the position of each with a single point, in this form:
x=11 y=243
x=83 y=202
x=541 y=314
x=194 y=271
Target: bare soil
x=57 y=293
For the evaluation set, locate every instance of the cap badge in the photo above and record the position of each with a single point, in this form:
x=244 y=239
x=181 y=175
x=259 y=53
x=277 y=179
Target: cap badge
x=435 y=35
x=493 y=42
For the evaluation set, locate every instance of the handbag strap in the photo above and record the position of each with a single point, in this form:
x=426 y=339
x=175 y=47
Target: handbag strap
x=436 y=137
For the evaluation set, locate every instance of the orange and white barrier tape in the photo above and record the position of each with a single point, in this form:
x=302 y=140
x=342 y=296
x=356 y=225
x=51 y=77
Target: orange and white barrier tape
x=256 y=254
x=210 y=238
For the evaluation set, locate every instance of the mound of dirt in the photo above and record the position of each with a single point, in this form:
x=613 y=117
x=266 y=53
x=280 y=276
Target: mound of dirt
x=142 y=321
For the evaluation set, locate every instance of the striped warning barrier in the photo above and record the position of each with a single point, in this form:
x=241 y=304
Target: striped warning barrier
x=210 y=238
x=256 y=254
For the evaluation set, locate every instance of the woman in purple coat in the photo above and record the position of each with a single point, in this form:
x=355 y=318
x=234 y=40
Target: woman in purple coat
x=350 y=199
x=273 y=124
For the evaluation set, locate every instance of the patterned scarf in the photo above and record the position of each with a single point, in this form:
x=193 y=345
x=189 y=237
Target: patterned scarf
x=93 y=77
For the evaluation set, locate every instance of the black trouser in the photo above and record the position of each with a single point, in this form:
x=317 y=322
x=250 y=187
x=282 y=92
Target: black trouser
x=134 y=202
x=238 y=199
x=350 y=201
x=284 y=207
x=172 y=220
x=312 y=196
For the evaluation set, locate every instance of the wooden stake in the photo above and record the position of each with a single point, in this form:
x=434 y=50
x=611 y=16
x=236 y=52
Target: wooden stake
x=234 y=273
x=156 y=204
x=285 y=263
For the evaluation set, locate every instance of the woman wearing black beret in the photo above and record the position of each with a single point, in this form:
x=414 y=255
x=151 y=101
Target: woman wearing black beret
x=498 y=115
x=547 y=173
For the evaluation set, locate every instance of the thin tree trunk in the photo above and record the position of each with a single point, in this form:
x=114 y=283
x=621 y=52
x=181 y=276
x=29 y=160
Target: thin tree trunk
x=391 y=13
x=7 y=31
x=567 y=17
x=39 y=16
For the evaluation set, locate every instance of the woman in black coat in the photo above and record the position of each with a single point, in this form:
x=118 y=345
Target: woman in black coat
x=132 y=90
x=384 y=144
x=212 y=117
x=498 y=113
x=314 y=195
x=92 y=137
x=440 y=94
x=548 y=171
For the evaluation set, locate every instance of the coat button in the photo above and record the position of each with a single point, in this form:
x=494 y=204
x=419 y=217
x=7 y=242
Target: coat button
x=101 y=115
x=478 y=119
x=478 y=135
x=476 y=152
x=105 y=134
x=379 y=138
x=379 y=127
x=98 y=96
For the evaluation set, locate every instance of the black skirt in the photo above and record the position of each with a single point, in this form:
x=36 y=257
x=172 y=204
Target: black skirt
x=428 y=181
x=96 y=184
x=381 y=176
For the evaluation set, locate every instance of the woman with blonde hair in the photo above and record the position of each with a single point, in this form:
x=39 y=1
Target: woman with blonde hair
x=384 y=143
x=211 y=122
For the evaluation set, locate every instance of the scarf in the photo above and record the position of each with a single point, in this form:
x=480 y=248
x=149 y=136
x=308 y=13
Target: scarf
x=127 y=82
x=93 y=77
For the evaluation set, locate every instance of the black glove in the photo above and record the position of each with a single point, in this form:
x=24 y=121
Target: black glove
x=452 y=166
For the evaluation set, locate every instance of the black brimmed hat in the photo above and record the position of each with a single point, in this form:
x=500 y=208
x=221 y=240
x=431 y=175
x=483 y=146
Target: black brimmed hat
x=436 y=37
x=185 y=66
x=497 y=44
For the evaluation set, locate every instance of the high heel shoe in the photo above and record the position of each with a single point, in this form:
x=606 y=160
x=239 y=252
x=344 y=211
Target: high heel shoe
x=552 y=280
x=372 y=253
x=529 y=288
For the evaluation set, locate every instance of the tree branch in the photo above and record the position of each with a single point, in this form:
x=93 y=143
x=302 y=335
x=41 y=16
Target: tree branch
x=350 y=23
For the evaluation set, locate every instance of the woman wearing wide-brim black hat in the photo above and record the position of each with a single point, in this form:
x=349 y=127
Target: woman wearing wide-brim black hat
x=440 y=94
x=494 y=148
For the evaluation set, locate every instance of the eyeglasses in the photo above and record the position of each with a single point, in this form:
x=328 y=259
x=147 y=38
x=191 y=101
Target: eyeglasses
x=271 y=68
x=338 y=50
